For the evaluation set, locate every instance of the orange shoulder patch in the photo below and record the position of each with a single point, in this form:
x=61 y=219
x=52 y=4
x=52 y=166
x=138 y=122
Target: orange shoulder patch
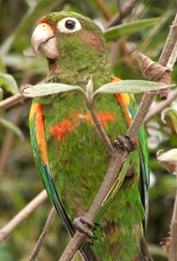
x=124 y=101
x=116 y=79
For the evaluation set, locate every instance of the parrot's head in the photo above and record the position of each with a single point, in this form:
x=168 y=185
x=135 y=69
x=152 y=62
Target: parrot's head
x=69 y=40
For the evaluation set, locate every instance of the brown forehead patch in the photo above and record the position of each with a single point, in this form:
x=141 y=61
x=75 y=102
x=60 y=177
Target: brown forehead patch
x=92 y=39
x=43 y=20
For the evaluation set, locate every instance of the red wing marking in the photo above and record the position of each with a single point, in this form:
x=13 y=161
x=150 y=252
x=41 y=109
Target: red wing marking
x=64 y=127
x=60 y=130
x=105 y=118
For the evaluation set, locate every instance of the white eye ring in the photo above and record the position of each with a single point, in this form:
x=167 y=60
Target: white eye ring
x=69 y=25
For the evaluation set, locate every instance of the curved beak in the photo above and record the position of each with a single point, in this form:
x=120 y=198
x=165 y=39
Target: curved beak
x=43 y=40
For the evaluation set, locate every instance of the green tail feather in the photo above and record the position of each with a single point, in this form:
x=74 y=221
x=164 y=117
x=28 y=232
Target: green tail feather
x=49 y=185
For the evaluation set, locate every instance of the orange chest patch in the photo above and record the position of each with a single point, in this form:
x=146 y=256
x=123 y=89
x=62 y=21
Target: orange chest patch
x=64 y=127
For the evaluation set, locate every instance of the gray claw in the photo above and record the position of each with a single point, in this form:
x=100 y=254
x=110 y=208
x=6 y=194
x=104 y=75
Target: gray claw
x=84 y=225
x=86 y=221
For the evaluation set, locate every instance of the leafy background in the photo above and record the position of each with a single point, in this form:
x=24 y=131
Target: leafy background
x=19 y=180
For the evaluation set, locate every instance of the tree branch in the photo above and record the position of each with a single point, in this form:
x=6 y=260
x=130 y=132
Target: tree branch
x=24 y=213
x=43 y=235
x=169 y=52
x=124 y=12
x=161 y=106
x=12 y=101
x=116 y=162
x=103 y=7
x=100 y=129
x=173 y=234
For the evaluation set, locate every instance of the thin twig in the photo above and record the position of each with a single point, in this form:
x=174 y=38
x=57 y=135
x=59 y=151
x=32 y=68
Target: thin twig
x=168 y=57
x=169 y=53
x=101 y=130
x=24 y=213
x=124 y=12
x=11 y=101
x=8 y=140
x=105 y=10
x=114 y=168
x=173 y=234
x=144 y=107
x=43 y=235
x=162 y=105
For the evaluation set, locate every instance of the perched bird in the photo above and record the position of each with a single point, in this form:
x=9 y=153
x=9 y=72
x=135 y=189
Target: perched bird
x=71 y=156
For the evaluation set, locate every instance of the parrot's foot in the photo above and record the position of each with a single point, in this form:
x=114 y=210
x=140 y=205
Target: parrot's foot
x=84 y=225
x=125 y=143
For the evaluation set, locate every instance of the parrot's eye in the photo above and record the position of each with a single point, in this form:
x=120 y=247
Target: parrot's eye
x=69 y=25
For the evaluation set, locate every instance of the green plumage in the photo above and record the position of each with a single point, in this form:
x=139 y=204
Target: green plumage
x=78 y=161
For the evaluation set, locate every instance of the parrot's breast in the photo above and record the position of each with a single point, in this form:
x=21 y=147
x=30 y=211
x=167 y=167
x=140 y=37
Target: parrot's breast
x=78 y=161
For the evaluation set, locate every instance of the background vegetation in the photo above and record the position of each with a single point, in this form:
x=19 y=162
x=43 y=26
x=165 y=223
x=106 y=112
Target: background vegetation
x=19 y=180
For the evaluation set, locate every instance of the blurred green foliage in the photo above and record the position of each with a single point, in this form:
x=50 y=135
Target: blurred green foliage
x=18 y=175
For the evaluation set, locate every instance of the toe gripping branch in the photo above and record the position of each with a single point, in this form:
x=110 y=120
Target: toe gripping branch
x=125 y=143
x=84 y=225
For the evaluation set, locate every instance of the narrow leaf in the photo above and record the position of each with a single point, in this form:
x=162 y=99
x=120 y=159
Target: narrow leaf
x=170 y=113
x=9 y=125
x=8 y=83
x=168 y=159
x=1 y=94
x=129 y=86
x=45 y=89
x=127 y=29
x=89 y=88
x=117 y=184
x=115 y=188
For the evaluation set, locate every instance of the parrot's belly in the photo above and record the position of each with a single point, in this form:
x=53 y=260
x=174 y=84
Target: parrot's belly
x=78 y=160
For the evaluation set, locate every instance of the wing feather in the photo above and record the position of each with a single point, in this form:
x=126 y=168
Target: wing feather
x=40 y=155
x=37 y=133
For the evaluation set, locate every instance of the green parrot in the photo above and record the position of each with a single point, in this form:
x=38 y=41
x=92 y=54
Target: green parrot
x=71 y=157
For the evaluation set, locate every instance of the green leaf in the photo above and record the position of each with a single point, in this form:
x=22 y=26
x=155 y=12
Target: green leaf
x=89 y=88
x=8 y=82
x=113 y=33
x=1 y=94
x=129 y=86
x=9 y=125
x=115 y=188
x=118 y=182
x=44 y=89
x=170 y=113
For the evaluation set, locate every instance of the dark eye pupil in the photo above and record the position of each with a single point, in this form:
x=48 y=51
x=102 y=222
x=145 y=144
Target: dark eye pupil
x=70 y=24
